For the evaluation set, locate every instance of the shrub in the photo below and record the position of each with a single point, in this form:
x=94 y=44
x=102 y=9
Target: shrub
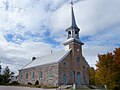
x=38 y=86
x=14 y=83
x=37 y=82
x=29 y=83
x=48 y=87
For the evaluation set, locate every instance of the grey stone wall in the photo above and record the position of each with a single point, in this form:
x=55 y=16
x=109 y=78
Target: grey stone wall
x=65 y=67
x=46 y=79
x=74 y=66
x=81 y=65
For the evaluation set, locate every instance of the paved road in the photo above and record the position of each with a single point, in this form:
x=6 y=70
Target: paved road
x=21 y=88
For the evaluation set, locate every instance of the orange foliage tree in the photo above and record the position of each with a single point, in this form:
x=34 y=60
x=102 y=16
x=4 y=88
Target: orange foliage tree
x=108 y=70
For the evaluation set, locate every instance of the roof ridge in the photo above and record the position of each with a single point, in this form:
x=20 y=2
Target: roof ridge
x=47 y=59
x=27 y=64
x=49 y=54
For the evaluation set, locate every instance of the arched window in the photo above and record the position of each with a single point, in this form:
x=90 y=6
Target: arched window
x=40 y=75
x=76 y=32
x=69 y=34
x=64 y=79
x=50 y=73
x=33 y=76
x=21 y=76
x=77 y=59
x=78 y=78
x=27 y=75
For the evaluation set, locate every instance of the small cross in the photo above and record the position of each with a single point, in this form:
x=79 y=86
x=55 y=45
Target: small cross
x=71 y=2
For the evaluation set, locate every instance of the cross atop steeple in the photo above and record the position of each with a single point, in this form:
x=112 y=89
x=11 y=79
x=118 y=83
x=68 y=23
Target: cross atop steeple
x=71 y=2
x=73 y=30
x=73 y=22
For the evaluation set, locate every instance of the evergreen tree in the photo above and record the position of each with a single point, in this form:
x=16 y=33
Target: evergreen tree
x=5 y=77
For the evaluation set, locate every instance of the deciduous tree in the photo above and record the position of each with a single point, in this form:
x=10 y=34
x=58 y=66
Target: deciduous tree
x=92 y=76
x=108 y=70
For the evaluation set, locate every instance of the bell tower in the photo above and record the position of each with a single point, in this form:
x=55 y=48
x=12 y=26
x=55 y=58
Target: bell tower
x=73 y=33
x=73 y=30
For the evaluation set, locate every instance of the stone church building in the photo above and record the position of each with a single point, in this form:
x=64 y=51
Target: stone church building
x=65 y=67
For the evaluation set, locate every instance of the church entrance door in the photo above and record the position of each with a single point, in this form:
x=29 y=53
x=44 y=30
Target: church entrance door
x=64 y=79
x=78 y=78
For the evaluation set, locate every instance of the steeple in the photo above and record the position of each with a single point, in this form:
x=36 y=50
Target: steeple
x=73 y=22
x=73 y=30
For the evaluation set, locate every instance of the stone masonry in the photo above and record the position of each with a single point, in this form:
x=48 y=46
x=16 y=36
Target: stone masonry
x=25 y=75
x=71 y=65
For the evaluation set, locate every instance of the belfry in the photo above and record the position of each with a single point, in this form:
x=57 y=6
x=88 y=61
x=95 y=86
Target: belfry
x=73 y=30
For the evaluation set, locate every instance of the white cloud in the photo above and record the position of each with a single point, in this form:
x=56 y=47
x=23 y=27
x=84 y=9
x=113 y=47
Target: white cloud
x=91 y=53
x=16 y=56
x=100 y=14
x=3 y=42
x=92 y=16
x=31 y=19
x=60 y=18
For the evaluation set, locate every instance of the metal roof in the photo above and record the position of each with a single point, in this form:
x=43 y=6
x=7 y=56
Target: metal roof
x=73 y=22
x=48 y=59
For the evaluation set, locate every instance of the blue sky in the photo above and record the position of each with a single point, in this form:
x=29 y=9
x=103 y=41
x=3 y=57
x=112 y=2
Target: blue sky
x=35 y=27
